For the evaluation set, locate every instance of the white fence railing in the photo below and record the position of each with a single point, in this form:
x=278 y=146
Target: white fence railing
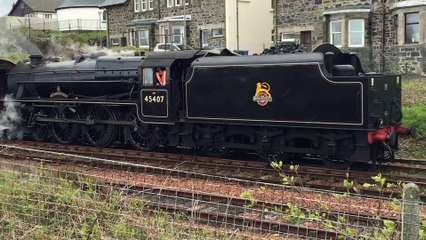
x=52 y=24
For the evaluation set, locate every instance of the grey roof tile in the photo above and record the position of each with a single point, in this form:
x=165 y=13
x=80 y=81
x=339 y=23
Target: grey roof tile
x=43 y=5
x=113 y=2
x=80 y=3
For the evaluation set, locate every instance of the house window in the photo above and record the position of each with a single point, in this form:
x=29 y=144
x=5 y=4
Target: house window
x=204 y=38
x=104 y=16
x=178 y=2
x=115 y=41
x=143 y=38
x=412 y=28
x=336 y=33
x=186 y=2
x=356 y=33
x=288 y=37
x=169 y=3
x=47 y=15
x=178 y=34
x=151 y=4
x=217 y=32
x=137 y=6
x=144 y=6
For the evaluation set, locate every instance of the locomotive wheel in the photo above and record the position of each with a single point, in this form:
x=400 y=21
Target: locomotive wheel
x=40 y=133
x=100 y=134
x=142 y=136
x=64 y=133
x=336 y=163
x=209 y=139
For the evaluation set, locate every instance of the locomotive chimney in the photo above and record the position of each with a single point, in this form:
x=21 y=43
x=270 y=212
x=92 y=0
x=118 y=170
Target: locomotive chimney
x=36 y=59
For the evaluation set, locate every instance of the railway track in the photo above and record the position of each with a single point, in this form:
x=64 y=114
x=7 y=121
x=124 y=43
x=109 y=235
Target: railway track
x=212 y=208
x=307 y=176
x=411 y=161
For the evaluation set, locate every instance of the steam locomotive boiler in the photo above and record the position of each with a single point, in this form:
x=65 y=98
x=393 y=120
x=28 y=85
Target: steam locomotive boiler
x=320 y=104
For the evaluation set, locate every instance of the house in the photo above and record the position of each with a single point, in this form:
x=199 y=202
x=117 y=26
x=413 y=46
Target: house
x=198 y=23
x=81 y=15
x=388 y=35
x=35 y=8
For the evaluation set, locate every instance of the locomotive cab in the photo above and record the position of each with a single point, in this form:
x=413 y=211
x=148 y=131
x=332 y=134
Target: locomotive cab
x=160 y=91
x=162 y=83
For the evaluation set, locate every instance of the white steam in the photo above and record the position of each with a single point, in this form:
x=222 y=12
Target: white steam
x=10 y=120
x=13 y=42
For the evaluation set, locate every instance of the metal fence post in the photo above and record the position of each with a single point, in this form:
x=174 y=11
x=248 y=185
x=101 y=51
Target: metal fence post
x=410 y=212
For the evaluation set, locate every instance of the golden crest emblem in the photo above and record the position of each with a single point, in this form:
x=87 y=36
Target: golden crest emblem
x=262 y=95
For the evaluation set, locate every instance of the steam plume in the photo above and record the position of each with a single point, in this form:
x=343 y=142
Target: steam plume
x=10 y=120
x=13 y=42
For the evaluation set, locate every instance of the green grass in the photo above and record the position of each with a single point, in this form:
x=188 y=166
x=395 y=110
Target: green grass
x=414 y=114
x=46 y=205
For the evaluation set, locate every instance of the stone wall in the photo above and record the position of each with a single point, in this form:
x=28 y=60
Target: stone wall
x=118 y=16
x=381 y=51
x=207 y=15
x=297 y=16
x=407 y=60
x=204 y=15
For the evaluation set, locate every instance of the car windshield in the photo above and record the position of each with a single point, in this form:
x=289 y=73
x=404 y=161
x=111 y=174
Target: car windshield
x=185 y=47
x=173 y=47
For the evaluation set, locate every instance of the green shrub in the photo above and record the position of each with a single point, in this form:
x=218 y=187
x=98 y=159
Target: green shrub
x=15 y=57
x=44 y=205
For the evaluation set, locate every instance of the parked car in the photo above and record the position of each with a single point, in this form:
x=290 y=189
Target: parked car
x=162 y=47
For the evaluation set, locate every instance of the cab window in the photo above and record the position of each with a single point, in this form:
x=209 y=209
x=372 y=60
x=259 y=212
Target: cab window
x=148 y=76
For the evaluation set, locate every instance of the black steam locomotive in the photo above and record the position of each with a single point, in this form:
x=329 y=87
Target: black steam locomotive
x=320 y=104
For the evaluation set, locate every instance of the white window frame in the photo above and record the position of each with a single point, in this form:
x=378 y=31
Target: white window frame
x=350 y=32
x=178 y=3
x=115 y=41
x=341 y=32
x=144 y=5
x=214 y=34
x=146 y=31
x=169 y=3
x=288 y=37
x=132 y=37
x=204 y=38
x=181 y=34
x=151 y=4
x=416 y=37
x=164 y=30
x=186 y=2
x=137 y=5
